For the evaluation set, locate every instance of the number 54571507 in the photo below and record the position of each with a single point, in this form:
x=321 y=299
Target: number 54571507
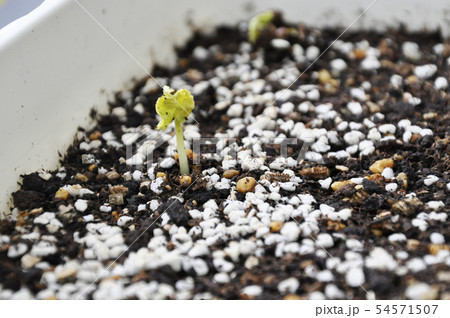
x=406 y=309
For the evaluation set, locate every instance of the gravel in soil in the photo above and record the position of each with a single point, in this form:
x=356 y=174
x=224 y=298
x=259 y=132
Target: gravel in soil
x=362 y=212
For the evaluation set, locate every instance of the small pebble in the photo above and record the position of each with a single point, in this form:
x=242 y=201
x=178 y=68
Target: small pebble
x=430 y=180
x=280 y=44
x=411 y=51
x=338 y=65
x=391 y=187
x=185 y=181
x=355 y=277
x=339 y=184
x=123 y=220
x=312 y=52
x=387 y=129
x=245 y=184
x=112 y=175
x=379 y=165
x=355 y=108
x=421 y=291
x=167 y=163
x=253 y=290
x=28 y=261
x=200 y=53
x=291 y=231
x=235 y=110
x=425 y=71
x=397 y=237
x=437 y=238
x=81 y=205
x=370 y=63
x=119 y=112
x=230 y=173
x=62 y=194
x=388 y=173
x=324 y=240
x=325 y=184
x=441 y=83
x=17 y=250
x=289 y=285
x=333 y=292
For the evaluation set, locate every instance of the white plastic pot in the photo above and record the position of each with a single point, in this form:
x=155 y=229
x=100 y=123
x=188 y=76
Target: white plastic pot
x=69 y=56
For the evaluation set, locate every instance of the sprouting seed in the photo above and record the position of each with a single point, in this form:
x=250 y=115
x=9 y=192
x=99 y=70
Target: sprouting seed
x=258 y=23
x=176 y=106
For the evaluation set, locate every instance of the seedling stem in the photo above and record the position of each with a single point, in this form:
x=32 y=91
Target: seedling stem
x=182 y=157
x=176 y=106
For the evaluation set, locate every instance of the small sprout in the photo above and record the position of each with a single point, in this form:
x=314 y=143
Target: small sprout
x=258 y=23
x=176 y=106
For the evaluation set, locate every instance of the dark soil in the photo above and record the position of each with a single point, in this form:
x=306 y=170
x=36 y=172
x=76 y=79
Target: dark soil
x=418 y=158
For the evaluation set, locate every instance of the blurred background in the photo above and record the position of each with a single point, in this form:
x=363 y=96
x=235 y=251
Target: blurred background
x=11 y=10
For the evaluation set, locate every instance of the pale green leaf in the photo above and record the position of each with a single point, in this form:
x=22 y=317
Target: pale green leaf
x=174 y=106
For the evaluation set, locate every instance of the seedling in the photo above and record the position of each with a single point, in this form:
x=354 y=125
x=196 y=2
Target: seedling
x=176 y=106
x=258 y=23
